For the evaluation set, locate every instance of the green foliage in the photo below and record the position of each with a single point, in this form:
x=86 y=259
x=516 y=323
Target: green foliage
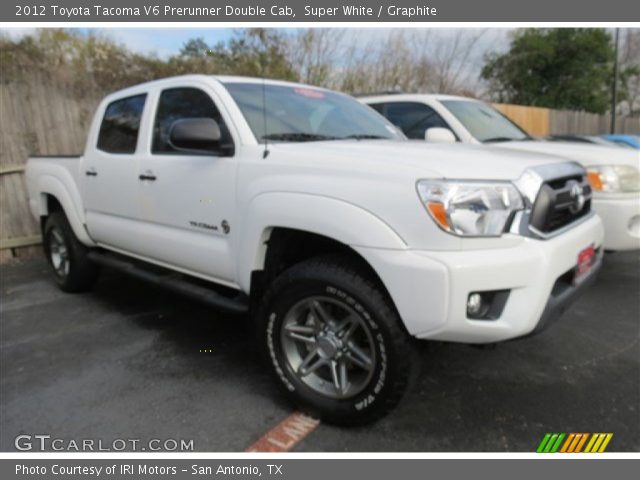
x=255 y=52
x=84 y=62
x=97 y=63
x=564 y=68
x=557 y=68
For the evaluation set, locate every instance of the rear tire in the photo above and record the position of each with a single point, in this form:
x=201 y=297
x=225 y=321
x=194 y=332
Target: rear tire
x=335 y=341
x=72 y=270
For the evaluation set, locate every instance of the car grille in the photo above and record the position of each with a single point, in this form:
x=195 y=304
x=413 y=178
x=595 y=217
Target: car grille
x=559 y=203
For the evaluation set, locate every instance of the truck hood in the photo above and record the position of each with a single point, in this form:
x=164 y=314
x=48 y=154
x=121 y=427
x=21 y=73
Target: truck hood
x=585 y=154
x=418 y=158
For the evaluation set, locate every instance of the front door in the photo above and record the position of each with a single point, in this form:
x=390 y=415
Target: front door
x=187 y=199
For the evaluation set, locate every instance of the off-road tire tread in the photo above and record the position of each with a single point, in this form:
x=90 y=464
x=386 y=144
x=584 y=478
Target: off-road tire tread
x=83 y=273
x=352 y=276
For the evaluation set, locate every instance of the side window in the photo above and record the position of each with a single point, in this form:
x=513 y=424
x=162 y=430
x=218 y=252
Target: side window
x=378 y=107
x=121 y=124
x=413 y=118
x=178 y=103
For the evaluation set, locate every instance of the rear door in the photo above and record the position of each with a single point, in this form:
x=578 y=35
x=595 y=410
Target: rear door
x=187 y=199
x=109 y=174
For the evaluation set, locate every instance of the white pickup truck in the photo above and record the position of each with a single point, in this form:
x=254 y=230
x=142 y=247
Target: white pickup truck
x=307 y=210
x=613 y=172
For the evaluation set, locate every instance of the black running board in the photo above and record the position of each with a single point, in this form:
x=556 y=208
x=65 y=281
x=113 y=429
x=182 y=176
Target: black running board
x=173 y=281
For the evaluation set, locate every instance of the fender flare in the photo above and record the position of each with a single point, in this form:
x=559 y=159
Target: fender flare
x=50 y=185
x=342 y=221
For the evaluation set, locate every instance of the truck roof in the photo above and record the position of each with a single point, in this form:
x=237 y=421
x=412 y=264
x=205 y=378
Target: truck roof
x=400 y=97
x=141 y=87
x=238 y=79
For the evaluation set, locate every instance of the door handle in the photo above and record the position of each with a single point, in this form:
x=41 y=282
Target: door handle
x=148 y=176
x=91 y=172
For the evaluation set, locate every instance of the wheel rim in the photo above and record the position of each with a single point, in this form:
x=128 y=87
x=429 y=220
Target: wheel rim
x=58 y=253
x=328 y=346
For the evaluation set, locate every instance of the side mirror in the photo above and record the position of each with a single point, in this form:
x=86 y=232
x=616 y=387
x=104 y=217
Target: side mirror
x=197 y=135
x=439 y=135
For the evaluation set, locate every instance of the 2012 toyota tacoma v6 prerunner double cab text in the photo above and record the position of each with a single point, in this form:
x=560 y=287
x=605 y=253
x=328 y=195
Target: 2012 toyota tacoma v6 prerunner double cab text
x=313 y=214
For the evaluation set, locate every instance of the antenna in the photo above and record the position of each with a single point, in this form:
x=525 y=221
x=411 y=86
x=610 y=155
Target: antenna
x=265 y=153
x=262 y=36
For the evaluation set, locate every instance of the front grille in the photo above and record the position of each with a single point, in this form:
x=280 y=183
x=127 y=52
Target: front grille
x=560 y=202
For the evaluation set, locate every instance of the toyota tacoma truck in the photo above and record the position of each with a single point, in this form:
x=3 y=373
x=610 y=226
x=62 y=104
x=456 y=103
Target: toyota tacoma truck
x=310 y=213
x=613 y=172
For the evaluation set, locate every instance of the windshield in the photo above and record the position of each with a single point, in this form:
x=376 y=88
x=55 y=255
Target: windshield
x=485 y=123
x=300 y=114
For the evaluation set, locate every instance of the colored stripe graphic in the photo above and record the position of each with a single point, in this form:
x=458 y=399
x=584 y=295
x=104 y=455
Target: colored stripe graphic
x=543 y=443
x=574 y=442
x=577 y=439
x=556 y=445
x=578 y=448
x=598 y=442
x=606 y=441
x=550 y=443
x=567 y=443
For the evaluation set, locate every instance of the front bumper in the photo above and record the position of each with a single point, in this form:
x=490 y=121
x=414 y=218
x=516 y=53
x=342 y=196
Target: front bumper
x=620 y=214
x=430 y=289
x=564 y=293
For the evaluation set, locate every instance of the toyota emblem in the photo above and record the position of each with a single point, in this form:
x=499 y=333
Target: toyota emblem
x=577 y=195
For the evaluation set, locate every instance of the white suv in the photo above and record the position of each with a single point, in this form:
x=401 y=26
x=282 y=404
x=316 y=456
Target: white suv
x=614 y=173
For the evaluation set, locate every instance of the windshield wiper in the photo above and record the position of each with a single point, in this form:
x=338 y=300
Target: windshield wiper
x=297 y=137
x=365 y=136
x=506 y=139
x=498 y=139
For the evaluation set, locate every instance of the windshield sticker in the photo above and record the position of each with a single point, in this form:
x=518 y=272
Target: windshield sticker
x=309 y=93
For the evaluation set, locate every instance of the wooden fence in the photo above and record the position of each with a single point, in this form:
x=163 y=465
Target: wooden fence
x=535 y=120
x=568 y=122
x=40 y=116
x=545 y=121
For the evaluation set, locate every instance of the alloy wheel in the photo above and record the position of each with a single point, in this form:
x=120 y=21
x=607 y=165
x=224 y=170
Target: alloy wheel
x=328 y=346
x=59 y=253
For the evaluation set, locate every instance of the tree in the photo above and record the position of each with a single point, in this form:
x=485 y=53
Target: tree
x=255 y=52
x=567 y=68
x=629 y=80
x=90 y=63
x=314 y=53
x=95 y=64
x=452 y=58
x=366 y=61
x=196 y=47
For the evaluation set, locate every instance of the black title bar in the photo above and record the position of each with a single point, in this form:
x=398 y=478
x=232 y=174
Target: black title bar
x=430 y=11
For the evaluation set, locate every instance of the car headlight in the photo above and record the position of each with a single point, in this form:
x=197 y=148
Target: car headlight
x=614 y=178
x=470 y=208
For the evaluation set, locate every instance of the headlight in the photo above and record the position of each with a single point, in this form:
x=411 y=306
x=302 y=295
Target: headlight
x=614 y=178
x=470 y=208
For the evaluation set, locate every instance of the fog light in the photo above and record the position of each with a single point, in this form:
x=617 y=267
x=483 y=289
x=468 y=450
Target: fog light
x=474 y=304
x=486 y=305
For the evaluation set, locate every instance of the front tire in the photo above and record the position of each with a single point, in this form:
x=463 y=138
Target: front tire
x=72 y=270
x=335 y=341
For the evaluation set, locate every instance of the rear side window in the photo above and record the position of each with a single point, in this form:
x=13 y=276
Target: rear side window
x=412 y=118
x=179 y=103
x=121 y=124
